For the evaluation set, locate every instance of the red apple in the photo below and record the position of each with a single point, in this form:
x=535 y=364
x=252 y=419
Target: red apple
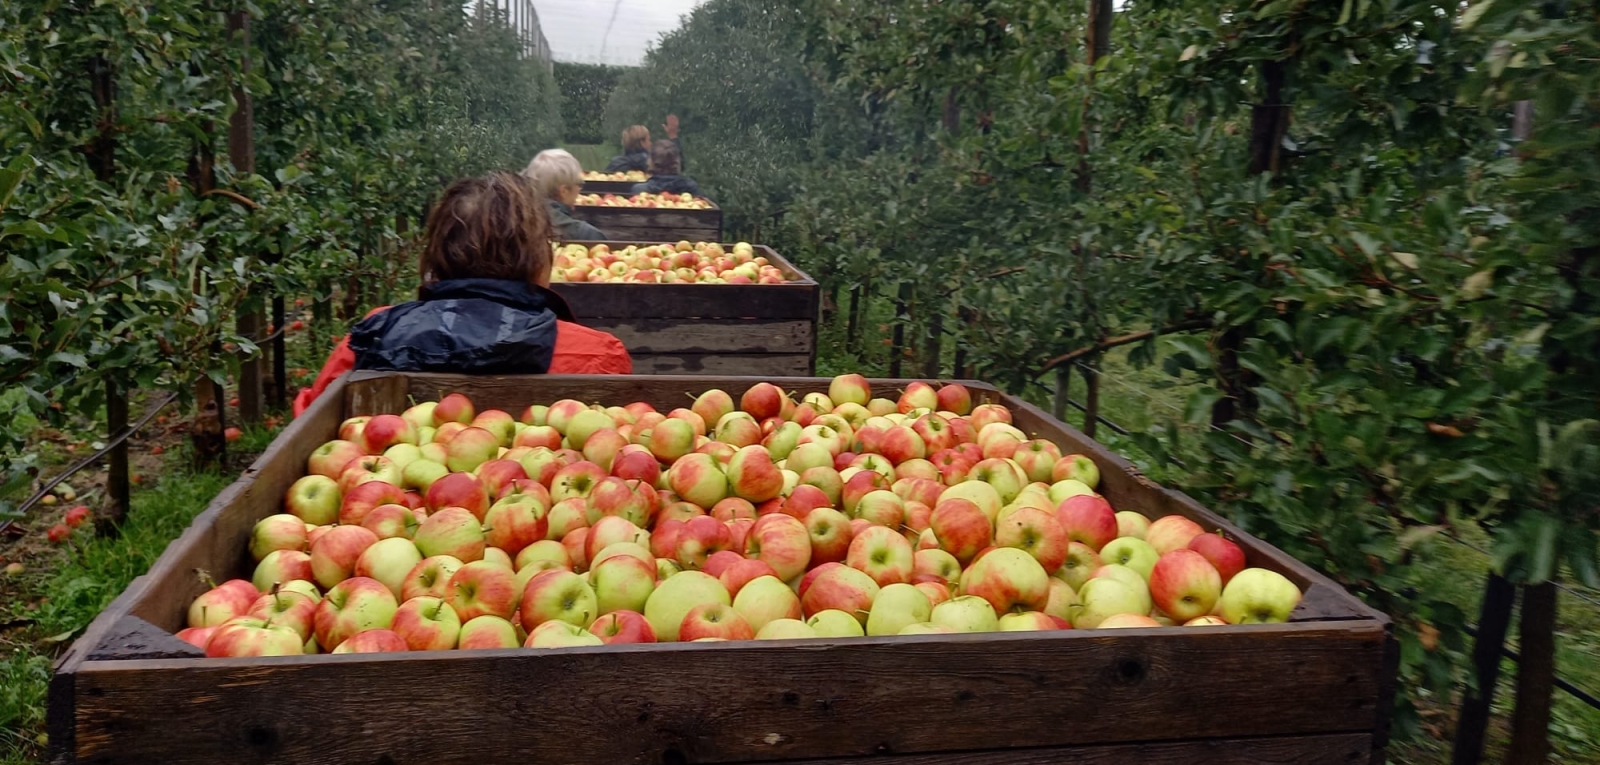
x=1184 y=585
x=620 y=627
x=1010 y=579
x=1221 y=553
x=1037 y=532
x=1172 y=532
x=453 y=408
x=480 y=588
x=830 y=535
x=1088 y=519
x=714 y=620
x=782 y=542
x=883 y=554
x=961 y=528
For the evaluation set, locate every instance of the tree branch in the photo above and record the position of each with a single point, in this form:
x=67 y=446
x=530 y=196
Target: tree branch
x=1113 y=342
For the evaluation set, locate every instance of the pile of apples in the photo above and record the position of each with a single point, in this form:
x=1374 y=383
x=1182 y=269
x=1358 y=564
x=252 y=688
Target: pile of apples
x=837 y=515
x=637 y=176
x=681 y=263
x=669 y=201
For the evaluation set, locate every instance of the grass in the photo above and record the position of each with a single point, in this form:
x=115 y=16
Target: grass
x=592 y=156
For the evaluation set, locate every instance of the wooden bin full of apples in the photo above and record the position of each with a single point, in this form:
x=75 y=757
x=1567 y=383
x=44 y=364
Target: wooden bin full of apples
x=449 y=569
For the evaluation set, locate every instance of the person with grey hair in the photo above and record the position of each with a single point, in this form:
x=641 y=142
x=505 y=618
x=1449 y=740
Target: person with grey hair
x=558 y=178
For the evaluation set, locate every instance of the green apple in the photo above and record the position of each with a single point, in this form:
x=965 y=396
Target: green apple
x=896 y=607
x=1134 y=553
x=966 y=613
x=420 y=473
x=1071 y=487
x=764 y=600
x=1104 y=597
x=1259 y=596
x=978 y=493
x=786 y=629
x=836 y=624
x=675 y=597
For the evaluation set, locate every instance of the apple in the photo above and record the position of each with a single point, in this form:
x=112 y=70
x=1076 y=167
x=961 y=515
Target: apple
x=783 y=439
x=391 y=521
x=786 y=629
x=1010 y=579
x=389 y=561
x=1078 y=468
x=954 y=397
x=557 y=595
x=603 y=446
x=961 y=527
x=247 y=636
x=453 y=408
x=935 y=432
x=883 y=554
x=543 y=554
x=1079 y=565
x=1088 y=519
x=559 y=634
x=453 y=531
x=978 y=493
x=277 y=532
x=1208 y=620
x=671 y=439
x=329 y=459
x=899 y=443
x=500 y=423
x=482 y=588
x=498 y=557
x=538 y=435
x=1063 y=600
x=1131 y=524
x=1036 y=532
x=361 y=499
x=386 y=430
x=1136 y=554
x=699 y=479
x=965 y=613
x=860 y=485
x=676 y=596
x=1225 y=556
x=1060 y=490
x=487 y=631
x=281 y=566
x=637 y=464
x=1026 y=621
x=698 y=538
x=738 y=429
x=221 y=603
x=622 y=582
x=1103 y=597
x=314 y=499
x=1125 y=621
x=334 y=554
x=373 y=641
x=765 y=599
x=897 y=606
x=1258 y=596
x=782 y=542
x=352 y=606
x=1171 y=532
x=881 y=507
x=752 y=475
x=937 y=563
x=927 y=628
x=427 y=623
x=1184 y=585
x=849 y=389
x=739 y=572
x=842 y=588
x=430 y=577
x=833 y=623
x=827 y=480
x=577 y=480
x=984 y=414
x=500 y=476
x=1037 y=458
x=830 y=535
x=515 y=522
x=714 y=620
x=634 y=501
x=470 y=448
x=608 y=531
x=620 y=627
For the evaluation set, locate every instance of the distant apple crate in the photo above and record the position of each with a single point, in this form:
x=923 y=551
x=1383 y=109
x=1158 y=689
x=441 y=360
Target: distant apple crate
x=609 y=187
x=733 y=329
x=661 y=224
x=1314 y=691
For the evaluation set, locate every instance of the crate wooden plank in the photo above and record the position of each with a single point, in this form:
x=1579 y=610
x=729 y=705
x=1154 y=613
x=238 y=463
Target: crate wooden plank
x=774 y=364
x=1332 y=749
x=803 y=699
x=646 y=336
x=688 y=301
x=609 y=187
x=653 y=222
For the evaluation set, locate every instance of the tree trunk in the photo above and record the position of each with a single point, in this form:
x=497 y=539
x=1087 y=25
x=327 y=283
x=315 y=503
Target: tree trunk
x=1091 y=396
x=118 y=492
x=1499 y=595
x=242 y=153
x=1536 y=672
x=1063 y=392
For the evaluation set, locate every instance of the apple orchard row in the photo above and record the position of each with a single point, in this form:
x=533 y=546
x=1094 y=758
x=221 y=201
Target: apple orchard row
x=836 y=515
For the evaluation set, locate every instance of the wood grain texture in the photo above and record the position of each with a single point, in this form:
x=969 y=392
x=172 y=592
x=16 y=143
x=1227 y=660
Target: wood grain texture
x=609 y=187
x=645 y=223
x=773 y=364
x=792 y=301
x=1333 y=749
x=815 y=699
x=736 y=336
x=135 y=638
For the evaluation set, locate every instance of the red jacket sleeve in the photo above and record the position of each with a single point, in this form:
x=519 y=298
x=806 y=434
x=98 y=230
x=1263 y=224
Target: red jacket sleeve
x=341 y=360
x=584 y=351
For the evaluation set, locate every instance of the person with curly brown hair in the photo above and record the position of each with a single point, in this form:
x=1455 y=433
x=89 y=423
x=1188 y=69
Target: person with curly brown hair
x=484 y=306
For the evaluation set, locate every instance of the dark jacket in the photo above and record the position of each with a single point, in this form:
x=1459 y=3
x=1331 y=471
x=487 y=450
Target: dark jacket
x=639 y=159
x=676 y=184
x=570 y=229
x=472 y=326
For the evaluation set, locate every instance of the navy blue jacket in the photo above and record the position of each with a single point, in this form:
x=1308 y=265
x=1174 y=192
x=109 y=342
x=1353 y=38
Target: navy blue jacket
x=676 y=184
x=633 y=160
x=472 y=326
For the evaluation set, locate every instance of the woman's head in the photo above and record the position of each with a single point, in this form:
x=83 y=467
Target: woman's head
x=635 y=138
x=556 y=174
x=664 y=158
x=493 y=227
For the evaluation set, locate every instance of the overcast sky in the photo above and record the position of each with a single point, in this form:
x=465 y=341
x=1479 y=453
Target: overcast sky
x=607 y=31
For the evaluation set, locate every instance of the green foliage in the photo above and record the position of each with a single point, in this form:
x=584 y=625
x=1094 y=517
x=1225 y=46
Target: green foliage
x=123 y=260
x=1385 y=305
x=585 y=89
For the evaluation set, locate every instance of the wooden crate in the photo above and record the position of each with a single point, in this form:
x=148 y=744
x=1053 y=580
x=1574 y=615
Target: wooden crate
x=714 y=329
x=1313 y=691
x=655 y=224
x=609 y=187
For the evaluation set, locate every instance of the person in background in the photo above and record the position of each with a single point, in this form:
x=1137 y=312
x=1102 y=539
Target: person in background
x=636 y=147
x=667 y=172
x=556 y=175
x=484 y=306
